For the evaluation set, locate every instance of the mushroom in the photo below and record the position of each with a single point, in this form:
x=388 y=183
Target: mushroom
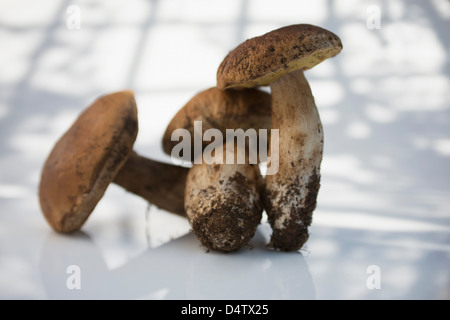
x=96 y=150
x=222 y=200
x=221 y=110
x=223 y=203
x=278 y=59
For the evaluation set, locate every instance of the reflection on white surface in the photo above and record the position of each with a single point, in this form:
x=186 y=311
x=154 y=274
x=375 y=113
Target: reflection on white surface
x=179 y=269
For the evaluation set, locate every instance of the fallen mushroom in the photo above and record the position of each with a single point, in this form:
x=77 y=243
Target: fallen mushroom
x=222 y=200
x=278 y=59
x=96 y=150
x=160 y=183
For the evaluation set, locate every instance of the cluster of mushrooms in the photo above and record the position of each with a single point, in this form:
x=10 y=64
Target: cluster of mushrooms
x=222 y=202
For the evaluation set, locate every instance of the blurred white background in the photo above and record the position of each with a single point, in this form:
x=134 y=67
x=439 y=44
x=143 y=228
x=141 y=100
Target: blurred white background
x=385 y=107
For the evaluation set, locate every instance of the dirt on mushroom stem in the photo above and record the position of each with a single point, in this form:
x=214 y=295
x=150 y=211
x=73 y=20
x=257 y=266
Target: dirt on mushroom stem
x=223 y=204
x=290 y=195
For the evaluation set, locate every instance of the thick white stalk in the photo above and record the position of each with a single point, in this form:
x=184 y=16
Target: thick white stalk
x=290 y=195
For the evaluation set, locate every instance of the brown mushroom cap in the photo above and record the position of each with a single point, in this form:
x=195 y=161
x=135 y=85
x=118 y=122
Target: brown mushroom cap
x=221 y=109
x=86 y=159
x=278 y=59
x=262 y=60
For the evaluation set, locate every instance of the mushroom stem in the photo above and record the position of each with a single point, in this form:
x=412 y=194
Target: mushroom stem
x=159 y=183
x=223 y=203
x=290 y=195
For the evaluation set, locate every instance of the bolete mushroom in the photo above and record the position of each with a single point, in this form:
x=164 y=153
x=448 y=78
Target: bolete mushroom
x=222 y=199
x=278 y=59
x=96 y=150
x=223 y=203
x=221 y=110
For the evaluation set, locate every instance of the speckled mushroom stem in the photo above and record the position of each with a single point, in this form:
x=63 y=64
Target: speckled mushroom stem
x=290 y=195
x=223 y=204
x=159 y=183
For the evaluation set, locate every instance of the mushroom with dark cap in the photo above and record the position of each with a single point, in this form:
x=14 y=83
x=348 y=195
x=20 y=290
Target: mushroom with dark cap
x=221 y=110
x=95 y=151
x=223 y=200
x=278 y=59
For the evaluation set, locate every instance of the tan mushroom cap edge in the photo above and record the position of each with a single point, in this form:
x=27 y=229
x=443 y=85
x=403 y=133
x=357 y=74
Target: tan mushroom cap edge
x=262 y=60
x=86 y=159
